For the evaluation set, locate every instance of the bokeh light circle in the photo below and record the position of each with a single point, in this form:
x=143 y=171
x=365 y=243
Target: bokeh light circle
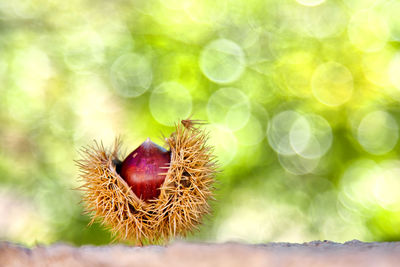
x=131 y=75
x=230 y=107
x=387 y=185
x=170 y=102
x=367 y=186
x=298 y=165
x=295 y=70
x=357 y=185
x=224 y=143
x=222 y=61
x=279 y=129
x=376 y=66
x=84 y=50
x=368 y=31
x=323 y=21
x=378 y=132
x=300 y=140
x=300 y=134
x=392 y=11
x=332 y=84
x=32 y=68
x=311 y=136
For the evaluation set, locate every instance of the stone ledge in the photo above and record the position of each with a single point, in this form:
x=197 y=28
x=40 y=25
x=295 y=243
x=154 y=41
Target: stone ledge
x=316 y=253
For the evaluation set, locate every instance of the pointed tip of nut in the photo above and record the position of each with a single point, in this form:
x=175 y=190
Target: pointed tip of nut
x=147 y=142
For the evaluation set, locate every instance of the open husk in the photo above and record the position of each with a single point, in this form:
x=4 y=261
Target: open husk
x=183 y=200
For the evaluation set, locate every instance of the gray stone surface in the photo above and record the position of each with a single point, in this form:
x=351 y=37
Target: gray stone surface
x=316 y=253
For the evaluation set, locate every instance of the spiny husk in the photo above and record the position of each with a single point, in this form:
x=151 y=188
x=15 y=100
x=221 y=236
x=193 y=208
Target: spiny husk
x=184 y=196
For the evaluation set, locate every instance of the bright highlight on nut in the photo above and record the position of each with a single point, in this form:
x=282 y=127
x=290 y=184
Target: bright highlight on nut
x=155 y=193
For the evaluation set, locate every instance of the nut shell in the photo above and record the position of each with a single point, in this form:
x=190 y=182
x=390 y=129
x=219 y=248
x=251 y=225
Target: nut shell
x=143 y=169
x=184 y=195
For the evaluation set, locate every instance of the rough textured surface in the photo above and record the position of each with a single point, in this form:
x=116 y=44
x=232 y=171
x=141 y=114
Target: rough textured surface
x=316 y=253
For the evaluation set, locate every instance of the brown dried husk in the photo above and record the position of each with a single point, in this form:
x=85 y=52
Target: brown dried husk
x=183 y=200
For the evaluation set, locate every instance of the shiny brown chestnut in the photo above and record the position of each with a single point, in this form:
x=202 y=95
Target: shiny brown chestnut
x=144 y=170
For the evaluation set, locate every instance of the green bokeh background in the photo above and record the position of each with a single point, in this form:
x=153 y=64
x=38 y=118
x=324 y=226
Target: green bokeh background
x=302 y=99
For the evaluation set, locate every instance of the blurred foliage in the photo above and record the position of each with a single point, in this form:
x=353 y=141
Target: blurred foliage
x=302 y=99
